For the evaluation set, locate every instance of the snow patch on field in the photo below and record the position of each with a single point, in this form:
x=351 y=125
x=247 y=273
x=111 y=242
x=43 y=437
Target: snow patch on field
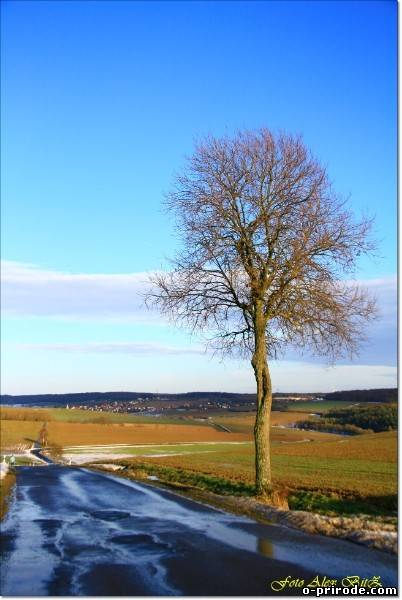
x=79 y=458
x=81 y=454
x=96 y=446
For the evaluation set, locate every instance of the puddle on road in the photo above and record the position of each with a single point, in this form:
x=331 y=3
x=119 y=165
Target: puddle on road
x=29 y=567
x=214 y=523
x=110 y=515
x=134 y=538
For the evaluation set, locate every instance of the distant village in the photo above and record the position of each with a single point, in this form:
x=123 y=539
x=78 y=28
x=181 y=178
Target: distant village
x=158 y=405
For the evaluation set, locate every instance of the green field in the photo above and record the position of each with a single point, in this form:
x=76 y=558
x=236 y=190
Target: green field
x=89 y=416
x=357 y=473
x=315 y=407
x=85 y=416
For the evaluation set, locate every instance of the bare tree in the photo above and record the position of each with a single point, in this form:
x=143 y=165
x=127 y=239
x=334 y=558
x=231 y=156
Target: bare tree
x=43 y=435
x=266 y=243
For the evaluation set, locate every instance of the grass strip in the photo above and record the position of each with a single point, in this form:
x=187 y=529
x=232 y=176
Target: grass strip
x=6 y=492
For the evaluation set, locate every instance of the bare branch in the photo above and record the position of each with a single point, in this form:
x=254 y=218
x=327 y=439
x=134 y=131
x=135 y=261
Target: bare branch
x=264 y=232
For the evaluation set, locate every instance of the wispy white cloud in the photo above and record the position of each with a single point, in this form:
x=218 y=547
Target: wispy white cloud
x=140 y=349
x=30 y=291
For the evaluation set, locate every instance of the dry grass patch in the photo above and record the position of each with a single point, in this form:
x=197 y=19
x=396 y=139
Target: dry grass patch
x=374 y=447
x=14 y=433
x=25 y=414
x=244 y=422
x=6 y=490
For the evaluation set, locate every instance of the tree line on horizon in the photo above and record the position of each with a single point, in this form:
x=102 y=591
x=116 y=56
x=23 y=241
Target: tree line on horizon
x=369 y=395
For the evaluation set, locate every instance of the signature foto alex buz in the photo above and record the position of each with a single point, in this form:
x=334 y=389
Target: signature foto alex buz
x=349 y=581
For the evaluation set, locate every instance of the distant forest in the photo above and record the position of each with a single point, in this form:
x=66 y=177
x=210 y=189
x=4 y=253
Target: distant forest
x=375 y=395
x=356 y=420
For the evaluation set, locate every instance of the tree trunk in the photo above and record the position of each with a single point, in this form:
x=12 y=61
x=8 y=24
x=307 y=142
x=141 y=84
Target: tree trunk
x=263 y=475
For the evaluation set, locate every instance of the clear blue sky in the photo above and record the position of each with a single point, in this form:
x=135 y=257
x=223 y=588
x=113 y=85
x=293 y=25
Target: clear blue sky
x=101 y=101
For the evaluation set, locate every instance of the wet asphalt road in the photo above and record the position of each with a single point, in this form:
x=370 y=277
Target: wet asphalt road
x=70 y=531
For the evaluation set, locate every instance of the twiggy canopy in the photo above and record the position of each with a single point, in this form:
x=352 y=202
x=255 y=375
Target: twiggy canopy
x=266 y=243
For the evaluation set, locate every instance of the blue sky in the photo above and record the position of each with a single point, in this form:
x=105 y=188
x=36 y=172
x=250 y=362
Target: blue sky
x=101 y=101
